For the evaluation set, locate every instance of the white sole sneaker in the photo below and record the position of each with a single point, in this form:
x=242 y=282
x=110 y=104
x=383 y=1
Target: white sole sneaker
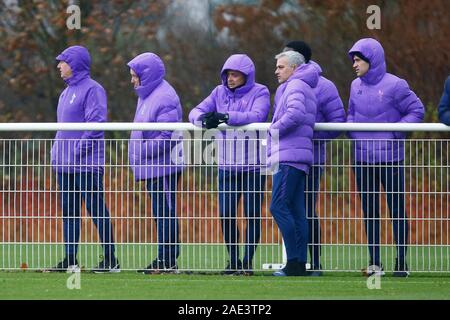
x=113 y=270
x=73 y=268
x=373 y=270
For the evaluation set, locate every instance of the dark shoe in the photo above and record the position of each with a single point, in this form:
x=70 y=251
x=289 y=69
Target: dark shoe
x=315 y=271
x=247 y=269
x=401 y=270
x=280 y=273
x=233 y=269
x=108 y=265
x=292 y=268
x=159 y=266
x=401 y=274
x=67 y=265
x=373 y=269
x=170 y=268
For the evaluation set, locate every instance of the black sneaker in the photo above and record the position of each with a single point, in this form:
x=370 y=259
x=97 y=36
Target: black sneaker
x=65 y=266
x=247 y=269
x=159 y=266
x=170 y=268
x=401 y=270
x=315 y=271
x=232 y=269
x=292 y=268
x=108 y=265
x=373 y=269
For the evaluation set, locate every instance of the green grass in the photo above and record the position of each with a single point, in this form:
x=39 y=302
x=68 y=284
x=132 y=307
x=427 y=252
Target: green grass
x=129 y=285
x=213 y=257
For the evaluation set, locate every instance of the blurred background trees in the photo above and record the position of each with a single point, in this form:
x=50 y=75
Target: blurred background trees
x=32 y=33
x=195 y=37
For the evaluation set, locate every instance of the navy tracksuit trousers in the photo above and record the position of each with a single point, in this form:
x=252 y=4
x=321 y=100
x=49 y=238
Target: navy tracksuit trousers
x=312 y=188
x=233 y=185
x=163 y=193
x=391 y=176
x=288 y=210
x=88 y=186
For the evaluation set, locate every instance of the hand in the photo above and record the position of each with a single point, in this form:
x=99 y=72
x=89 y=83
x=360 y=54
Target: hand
x=222 y=117
x=206 y=115
x=204 y=118
x=213 y=119
x=211 y=123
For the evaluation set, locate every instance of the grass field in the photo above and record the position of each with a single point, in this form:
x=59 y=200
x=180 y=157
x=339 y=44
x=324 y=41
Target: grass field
x=31 y=284
x=262 y=286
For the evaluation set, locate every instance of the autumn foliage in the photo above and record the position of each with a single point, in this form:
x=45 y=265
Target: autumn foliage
x=414 y=34
x=35 y=32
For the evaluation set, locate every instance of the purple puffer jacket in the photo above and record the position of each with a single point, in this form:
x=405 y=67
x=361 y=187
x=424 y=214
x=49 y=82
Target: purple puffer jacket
x=329 y=109
x=247 y=104
x=380 y=97
x=293 y=120
x=84 y=100
x=154 y=154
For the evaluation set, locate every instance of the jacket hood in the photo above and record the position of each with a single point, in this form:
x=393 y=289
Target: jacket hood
x=243 y=64
x=317 y=66
x=374 y=52
x=150 y=70
x=307 y=73
x=79 y=60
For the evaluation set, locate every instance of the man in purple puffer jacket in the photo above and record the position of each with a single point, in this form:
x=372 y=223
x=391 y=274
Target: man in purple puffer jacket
x=329 y=109
x=378 y=96
x=78 y=158
x=293 y=124
x=155 y=155
x=237 y=101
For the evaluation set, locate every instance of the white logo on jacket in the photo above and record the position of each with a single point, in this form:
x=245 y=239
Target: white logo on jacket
x=73 y=98
x=143 y=108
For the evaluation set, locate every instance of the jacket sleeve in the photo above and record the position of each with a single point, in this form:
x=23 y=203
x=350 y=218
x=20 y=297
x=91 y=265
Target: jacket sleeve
x=258 y=112
x=333 y=111
x=350 y=115
x=95 y=110
x=295 y=113
x=160 y=143
x=351 y=110
x=409 y=106
x=276 y=98
x=444 y=105
x=207 y=105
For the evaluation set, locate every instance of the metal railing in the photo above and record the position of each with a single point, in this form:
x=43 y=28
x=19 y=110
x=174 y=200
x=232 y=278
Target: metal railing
x=31 y=218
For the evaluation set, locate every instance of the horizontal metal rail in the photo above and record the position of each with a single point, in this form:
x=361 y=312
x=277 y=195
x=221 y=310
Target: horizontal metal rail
x=158 y=126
